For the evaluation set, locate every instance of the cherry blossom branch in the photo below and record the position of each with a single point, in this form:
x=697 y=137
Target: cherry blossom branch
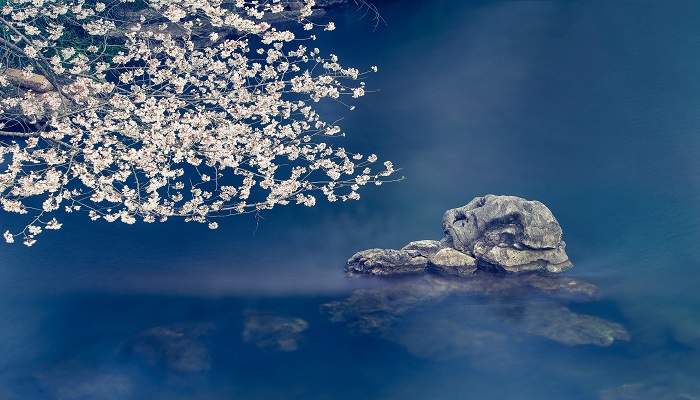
x=166 y=128
x=35 y=63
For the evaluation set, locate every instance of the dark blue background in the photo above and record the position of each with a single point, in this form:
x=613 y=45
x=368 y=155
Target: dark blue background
x=588 y=107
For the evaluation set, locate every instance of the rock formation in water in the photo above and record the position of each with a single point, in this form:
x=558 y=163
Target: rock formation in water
x=496 y=233
x=502 y=251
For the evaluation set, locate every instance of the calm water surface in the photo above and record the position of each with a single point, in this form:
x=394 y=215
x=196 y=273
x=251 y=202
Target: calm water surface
x=592 y=108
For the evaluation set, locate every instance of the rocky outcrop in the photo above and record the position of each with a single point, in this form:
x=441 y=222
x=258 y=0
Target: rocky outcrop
x=505 y=250
x=496 y=233
x=414 y=258
x=508 y=233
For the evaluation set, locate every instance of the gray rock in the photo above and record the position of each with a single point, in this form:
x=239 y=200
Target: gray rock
x=385 y=262
x=426 y=248
x=507 y=233
x=501 y=233
x=450 y=262
x=272 y=332
x=524 y=260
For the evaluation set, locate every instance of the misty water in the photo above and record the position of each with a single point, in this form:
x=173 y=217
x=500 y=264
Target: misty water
x=592 y=108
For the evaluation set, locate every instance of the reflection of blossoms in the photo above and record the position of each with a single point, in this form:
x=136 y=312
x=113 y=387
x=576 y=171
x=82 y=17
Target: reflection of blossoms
x=167 y=125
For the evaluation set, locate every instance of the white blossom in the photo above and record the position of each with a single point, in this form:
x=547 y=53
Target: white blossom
x=53 y=224
x=189 y=128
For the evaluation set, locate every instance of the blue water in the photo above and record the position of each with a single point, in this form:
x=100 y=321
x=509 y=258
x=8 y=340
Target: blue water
x=592 y=108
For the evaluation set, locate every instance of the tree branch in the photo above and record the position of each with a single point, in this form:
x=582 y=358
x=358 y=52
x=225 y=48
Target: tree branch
x=20 y=134
x=51 y=78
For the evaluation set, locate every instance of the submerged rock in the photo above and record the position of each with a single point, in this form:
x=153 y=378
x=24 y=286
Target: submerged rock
x=562 y=325
x=495 y=233
x=521 y=303
x=383 y=310
x=177 y=346
x=563 y=287
x=445 y=338
x=269 y=331
x=532 y=285
x=369 y=311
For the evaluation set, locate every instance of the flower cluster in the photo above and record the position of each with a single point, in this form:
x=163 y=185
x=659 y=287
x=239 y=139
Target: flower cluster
x=155 y=119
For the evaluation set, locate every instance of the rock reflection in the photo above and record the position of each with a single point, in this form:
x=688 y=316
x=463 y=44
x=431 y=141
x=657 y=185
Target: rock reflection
x=432 y=315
